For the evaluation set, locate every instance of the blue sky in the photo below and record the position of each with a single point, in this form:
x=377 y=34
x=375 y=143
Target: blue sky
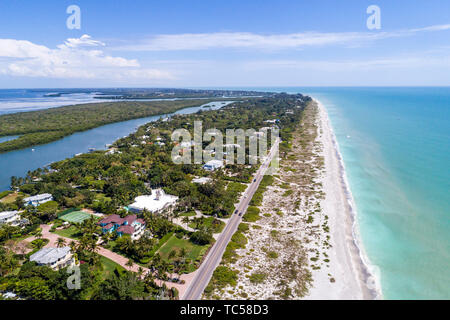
x=224 y=43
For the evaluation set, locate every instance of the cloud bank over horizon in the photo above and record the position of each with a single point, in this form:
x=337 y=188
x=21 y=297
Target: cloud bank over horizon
x=258 y=55
x=78 y=58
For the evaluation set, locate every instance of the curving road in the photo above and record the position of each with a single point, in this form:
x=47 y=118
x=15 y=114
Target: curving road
x=212 y=260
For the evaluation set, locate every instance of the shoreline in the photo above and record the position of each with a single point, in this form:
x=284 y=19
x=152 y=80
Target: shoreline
x=349 y=264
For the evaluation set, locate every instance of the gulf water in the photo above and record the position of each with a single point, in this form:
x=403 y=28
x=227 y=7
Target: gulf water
x=395 y=143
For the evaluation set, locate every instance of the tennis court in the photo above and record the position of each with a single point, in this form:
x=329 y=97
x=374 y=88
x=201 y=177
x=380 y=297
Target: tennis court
x=75 y=216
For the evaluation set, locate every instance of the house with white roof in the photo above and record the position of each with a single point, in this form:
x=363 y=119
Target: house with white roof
x=213 y=165
x=38 y=199
x=55 y=258
x=201 y=180
x=10 y=217
x=156 y=202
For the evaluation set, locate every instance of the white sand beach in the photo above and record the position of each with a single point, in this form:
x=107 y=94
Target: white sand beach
x=346 y=265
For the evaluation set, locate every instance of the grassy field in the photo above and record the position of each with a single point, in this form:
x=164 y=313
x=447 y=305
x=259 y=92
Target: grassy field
x=108 y=266
x=188 y=214
x=10 y=198
x=72 y=232
x=217 y=227
x=193 y=250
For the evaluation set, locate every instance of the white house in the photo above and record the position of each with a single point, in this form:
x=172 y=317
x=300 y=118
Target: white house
x=213 y=165
x=155 y=202
x=10 y=217
x=201 y=180
x=55 y=258
x=38 y=199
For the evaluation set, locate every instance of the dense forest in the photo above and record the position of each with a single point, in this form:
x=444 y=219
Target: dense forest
x=167 y=93
x=43 y=126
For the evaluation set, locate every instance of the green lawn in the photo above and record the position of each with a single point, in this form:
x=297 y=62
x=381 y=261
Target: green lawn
x=10 y=198
x=188 y=214
x=72 y=232
x=108 y=266
x=193 y=250
x=208 y=223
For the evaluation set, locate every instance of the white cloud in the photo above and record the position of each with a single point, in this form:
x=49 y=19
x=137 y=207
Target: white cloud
x=203 y=41
x=73 y=59
x=84 y=41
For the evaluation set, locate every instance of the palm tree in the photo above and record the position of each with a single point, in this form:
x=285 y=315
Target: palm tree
x=60 y=242
x=129 y=263
x=73 y=246
x=172 y=254
x=186 y=220
x=183 y=252
x=140 y=271
x=39 y=234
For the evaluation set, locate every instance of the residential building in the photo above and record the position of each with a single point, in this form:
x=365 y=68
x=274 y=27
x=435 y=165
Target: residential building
x=38 y=199
x=213 y=165
x=129 y=225
x=201 y=180
x=155 y=202
x=55 y=258
x=10 y=217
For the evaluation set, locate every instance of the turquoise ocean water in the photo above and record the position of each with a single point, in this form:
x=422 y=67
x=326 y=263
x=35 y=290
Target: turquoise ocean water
x=395 y=143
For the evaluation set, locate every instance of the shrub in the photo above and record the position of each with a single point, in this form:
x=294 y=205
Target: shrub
x=201 y=238
x=252 y=214
x=257 y=277
x=223 y=276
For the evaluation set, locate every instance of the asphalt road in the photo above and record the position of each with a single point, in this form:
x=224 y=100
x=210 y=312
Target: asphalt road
x=212 y=260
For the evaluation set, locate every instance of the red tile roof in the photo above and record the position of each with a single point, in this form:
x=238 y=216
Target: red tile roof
x=141 y=221
x=108 y=226
x=126 y=229
x=130 y=219
x=114 y=218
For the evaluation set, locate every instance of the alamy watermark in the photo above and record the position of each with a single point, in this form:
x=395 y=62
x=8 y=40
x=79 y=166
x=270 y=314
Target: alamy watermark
x=374 y=20
x=74 y=280
x=189 y=150
x=74 y=20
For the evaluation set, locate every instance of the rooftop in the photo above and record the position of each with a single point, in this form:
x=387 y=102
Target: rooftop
x=8 y=214
x=49 y=255
x=201 y=180
x=38 y=197
x=126 y=229
x=154 y=202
